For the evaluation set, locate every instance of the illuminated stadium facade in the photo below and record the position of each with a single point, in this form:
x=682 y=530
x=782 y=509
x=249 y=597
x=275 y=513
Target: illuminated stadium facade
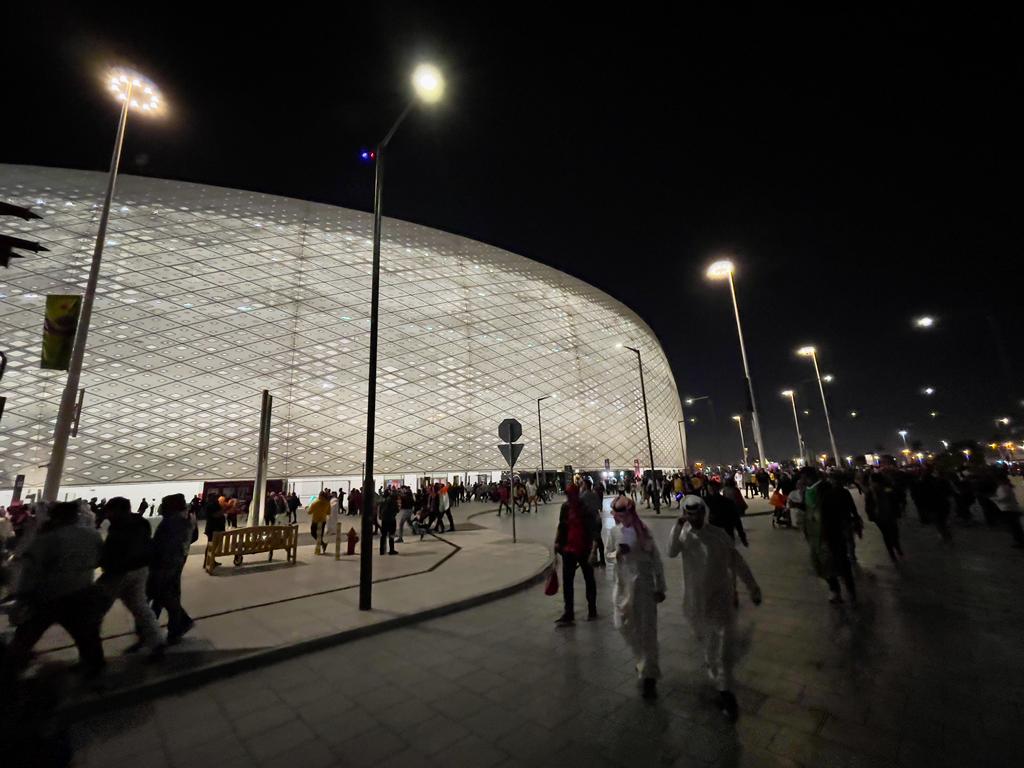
x=208 y=295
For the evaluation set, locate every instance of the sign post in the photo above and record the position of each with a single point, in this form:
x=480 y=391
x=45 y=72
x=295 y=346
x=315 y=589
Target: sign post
x=509 y=431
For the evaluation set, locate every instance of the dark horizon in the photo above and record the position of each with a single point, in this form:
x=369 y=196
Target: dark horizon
x=861 y=171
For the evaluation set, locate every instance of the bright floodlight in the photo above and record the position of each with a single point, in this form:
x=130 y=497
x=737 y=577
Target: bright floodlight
x=929 y=390
x=806 y=351
x=787 y=393
x=142 y=95
x=737 y=418
x=720 y=269
x=902 y=433
x=828 y=378
x=925 y=321
x=1004 y=421
x=853 y=414
x=429 y=84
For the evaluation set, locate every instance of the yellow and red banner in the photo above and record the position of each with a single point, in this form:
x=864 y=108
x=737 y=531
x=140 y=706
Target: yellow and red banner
x=59 y=329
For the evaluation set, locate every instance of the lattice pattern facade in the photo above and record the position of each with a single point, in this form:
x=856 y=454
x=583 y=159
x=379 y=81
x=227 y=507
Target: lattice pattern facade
x=209 y=295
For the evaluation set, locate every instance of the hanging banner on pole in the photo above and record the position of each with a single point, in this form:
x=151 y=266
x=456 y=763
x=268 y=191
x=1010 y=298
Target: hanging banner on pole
x=59 y=327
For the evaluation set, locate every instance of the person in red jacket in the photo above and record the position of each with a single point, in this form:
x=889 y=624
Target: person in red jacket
x=575 y=541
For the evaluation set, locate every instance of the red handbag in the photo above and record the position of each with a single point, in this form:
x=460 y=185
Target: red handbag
x=551 y=583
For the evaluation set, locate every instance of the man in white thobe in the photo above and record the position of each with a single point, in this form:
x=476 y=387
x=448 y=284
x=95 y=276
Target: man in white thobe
x=711 y=565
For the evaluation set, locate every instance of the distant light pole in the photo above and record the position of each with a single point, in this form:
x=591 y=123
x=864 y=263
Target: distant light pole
x=796 y=422
x=647 y=421
x=540 y=439
x=429 y=87
x=743 y=440
x=812 y=353
x=682 y=441
x=903 y=433
x=138 y=95
x=723 y=270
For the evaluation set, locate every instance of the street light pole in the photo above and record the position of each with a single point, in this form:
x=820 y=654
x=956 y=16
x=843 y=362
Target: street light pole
x=717 y=271
x=429 y=85
x=682 y=439
x=647 y=424
x=743 y=440
x=796 y=422
x=812 y=353
x=123 y=86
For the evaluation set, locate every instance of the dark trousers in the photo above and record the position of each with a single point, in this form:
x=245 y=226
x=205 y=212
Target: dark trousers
x=891 y=536
x=165 y=589
x=387 y=531
x=841 y=562
x=569 y=564
x=79 y=613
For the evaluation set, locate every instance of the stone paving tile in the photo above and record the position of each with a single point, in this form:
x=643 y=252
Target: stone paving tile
x=498 y=685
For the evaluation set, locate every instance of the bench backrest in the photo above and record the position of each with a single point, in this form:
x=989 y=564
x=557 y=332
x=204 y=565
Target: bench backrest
x=258 y=538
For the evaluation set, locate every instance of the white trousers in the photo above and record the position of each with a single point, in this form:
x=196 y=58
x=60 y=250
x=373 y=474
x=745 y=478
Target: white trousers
x=131 y=591
x=717 y=640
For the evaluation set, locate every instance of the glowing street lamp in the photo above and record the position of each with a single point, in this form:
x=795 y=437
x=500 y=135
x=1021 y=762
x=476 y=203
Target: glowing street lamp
x=903 y=433
x=924 y=322
x=812 y=353
x=743 y=441
x=1003 y=422
x=139 y=95
x=928 y=391
x=428 y=87
x=723 y=270
x=796 y=422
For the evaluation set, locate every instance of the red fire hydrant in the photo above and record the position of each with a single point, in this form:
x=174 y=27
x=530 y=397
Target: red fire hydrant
x=353 y=537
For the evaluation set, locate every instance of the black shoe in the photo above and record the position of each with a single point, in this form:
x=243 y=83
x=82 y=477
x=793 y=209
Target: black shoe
x=650 y=688
x=157 y=654
x=176 y=638
x=565 y=621
x=133 y=648
x=727 y=705
x=392 y=552
x=592 y=614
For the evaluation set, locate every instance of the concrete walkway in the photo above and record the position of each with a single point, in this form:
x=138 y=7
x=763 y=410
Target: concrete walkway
x=264 y=611
x=927 y=671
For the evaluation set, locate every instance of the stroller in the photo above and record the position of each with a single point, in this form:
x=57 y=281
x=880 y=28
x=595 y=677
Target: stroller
x=781 y=516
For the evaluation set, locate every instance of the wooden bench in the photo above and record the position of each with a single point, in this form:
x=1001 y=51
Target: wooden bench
x=252 y=541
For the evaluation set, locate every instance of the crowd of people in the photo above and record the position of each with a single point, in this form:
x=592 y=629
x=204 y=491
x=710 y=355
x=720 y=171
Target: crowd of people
x=59 y=546
x=56 y=550
x=704 y=537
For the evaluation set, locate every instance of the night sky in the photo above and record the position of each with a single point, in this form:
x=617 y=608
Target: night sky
x=860 y=169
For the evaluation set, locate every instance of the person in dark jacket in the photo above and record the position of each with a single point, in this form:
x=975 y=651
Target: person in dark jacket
x=215 y=520
x=574 y=541
x=722 y=513
x=838 y=516
x=125 y=559
x=56 y=587
x=388 y=521
x=173 y=537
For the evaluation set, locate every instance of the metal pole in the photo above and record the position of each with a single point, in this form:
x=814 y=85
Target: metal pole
x=743 y=441
x=256 y=514
x=682 y=438
x=824 y=404
x=647 y=423
x=796 y=422
x=66 y=414
x=755 y=421
x=366 y=540
x=540 y=438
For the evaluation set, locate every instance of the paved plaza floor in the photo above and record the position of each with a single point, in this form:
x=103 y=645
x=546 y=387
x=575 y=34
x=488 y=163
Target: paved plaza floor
x=927 y=671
